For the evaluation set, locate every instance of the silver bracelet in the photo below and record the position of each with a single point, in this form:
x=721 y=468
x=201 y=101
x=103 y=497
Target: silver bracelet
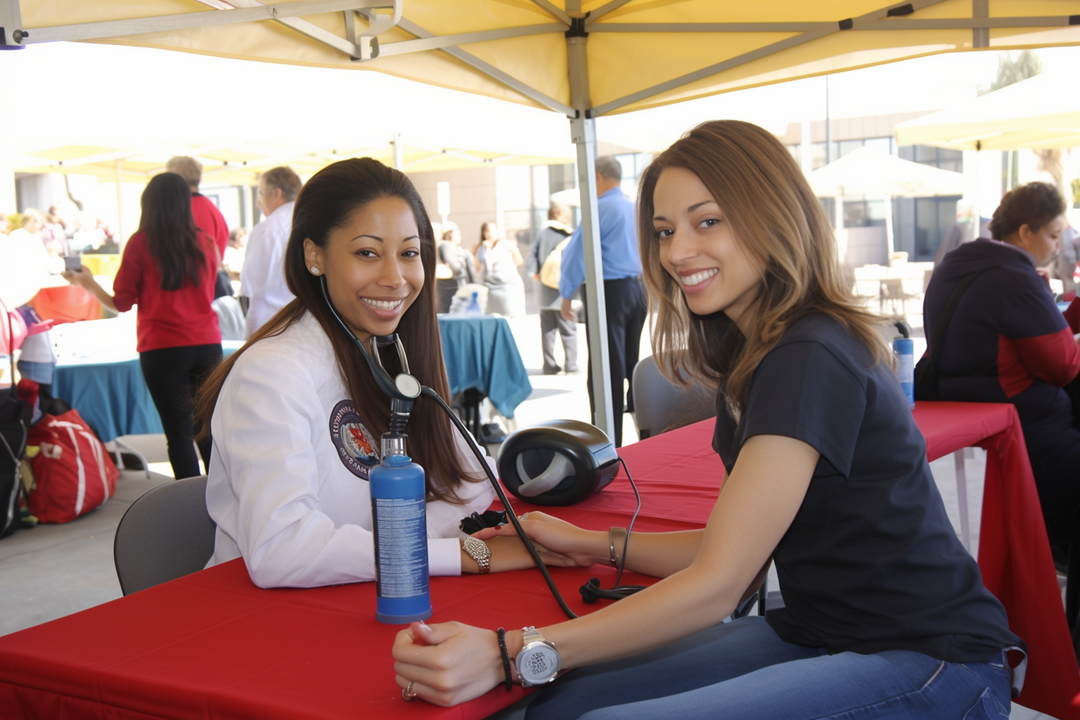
x=616 y=535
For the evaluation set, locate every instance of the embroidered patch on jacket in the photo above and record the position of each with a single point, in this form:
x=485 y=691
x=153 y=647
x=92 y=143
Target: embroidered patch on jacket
x=355 y=445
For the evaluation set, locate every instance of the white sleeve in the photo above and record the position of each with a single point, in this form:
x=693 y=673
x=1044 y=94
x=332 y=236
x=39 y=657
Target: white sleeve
x=256 y=275
x=443 y=517
x=268 y=501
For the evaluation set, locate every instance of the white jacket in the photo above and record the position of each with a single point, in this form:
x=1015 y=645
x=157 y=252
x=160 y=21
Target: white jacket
x=262 y=279
x=288 y=482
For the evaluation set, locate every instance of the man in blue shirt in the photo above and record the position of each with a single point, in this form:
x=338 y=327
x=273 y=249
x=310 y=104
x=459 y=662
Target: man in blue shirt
x=624 y=295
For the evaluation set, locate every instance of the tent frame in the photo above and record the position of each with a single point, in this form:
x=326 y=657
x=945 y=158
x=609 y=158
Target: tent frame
x=576 y=25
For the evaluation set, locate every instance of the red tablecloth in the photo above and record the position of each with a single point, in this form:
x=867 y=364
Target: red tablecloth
x=212 y=645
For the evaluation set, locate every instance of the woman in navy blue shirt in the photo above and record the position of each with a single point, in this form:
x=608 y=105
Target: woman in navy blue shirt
x=886 y=615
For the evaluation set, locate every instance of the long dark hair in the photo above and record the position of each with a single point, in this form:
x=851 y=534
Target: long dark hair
x=777 y=219
x=172 y=239
x=327 y=202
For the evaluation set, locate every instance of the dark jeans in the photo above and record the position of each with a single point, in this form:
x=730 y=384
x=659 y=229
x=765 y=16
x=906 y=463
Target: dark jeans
x=743 y=670
x=173 y=375
x=626 y=313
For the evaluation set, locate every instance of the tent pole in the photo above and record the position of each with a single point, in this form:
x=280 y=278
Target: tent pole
x=583 y=135
x=398 y=161
x=120 y=237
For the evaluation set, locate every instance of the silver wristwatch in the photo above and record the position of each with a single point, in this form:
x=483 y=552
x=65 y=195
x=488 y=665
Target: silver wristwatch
x=478 y=551
x=539 y=661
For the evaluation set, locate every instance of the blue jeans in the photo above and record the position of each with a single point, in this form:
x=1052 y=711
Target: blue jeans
x=744 y=670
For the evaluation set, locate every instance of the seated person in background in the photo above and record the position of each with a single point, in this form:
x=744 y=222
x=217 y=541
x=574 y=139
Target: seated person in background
x=1007 y=342
x=886 y=615
x=296 y=415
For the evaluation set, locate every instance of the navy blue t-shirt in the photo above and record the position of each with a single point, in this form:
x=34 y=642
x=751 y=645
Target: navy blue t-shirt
x=871 y=561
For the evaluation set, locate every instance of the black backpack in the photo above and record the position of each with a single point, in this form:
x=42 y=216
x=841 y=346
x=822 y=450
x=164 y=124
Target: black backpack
x=15 y=417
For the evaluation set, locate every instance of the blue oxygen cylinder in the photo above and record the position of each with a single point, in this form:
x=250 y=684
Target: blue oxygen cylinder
x=905 y=368
x=399 y=526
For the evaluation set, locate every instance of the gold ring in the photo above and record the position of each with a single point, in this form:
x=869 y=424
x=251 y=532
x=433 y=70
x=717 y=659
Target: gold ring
x=407 y=693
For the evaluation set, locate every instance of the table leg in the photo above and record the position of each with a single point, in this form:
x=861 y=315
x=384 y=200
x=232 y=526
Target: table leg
x=123 y=446
x=961 y=497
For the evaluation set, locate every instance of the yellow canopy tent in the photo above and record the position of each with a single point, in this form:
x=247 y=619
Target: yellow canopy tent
x=1040 y=112
x=241 y=164
x=582 y=58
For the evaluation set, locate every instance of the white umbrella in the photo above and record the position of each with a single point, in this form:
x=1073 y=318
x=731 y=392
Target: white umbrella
x=870 y=173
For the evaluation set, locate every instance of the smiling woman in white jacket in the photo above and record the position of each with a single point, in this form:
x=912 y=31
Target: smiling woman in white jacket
x=296 y=416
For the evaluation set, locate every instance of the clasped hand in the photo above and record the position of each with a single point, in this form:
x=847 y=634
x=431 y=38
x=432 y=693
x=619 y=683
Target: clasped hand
x=451 y=663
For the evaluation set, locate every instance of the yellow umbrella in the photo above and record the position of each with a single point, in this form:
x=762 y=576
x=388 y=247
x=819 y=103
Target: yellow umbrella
x=582 y=58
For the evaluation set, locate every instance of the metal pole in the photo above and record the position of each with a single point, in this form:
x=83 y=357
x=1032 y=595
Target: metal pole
x=120 y=237
x=399 y=163
x=583 y=135
x=828 y=125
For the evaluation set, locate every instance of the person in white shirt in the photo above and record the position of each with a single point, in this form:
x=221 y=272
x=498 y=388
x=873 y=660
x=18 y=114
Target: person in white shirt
x=296 y=416
x=263 y=278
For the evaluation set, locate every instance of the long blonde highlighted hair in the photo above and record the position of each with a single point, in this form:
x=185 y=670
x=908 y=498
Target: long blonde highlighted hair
x=778 y=220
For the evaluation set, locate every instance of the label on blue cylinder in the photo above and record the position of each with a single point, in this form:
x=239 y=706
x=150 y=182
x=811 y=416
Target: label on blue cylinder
x=401 y=547
x=905 y=370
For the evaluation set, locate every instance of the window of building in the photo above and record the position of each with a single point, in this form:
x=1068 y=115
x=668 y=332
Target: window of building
x=943 y=158
x=864 y=213
x=934 y=217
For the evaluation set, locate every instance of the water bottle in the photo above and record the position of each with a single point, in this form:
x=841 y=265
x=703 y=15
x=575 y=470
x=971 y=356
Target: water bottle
x=473 y=307
x=399 y=526
x=905 y=370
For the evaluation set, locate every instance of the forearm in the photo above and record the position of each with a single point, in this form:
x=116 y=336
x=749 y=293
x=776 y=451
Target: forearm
x=100 y=295
x=679 y=606
x=658 y=554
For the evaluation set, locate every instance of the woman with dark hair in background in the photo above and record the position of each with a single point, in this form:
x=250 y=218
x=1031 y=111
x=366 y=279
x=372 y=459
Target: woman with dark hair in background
x=296 y=414
x=168 y=270
x=1007 y=342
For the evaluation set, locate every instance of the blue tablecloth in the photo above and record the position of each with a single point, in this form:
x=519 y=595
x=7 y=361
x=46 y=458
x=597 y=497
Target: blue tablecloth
x=109 y=392
x=480 y=353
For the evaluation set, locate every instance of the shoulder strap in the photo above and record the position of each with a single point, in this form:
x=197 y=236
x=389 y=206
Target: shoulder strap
x=950 y=308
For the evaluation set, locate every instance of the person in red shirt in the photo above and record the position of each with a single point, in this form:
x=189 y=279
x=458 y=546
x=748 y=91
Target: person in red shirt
x=207 y=216
x=168 y=270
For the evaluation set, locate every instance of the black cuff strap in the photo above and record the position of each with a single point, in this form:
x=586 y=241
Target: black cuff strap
x=509 y=682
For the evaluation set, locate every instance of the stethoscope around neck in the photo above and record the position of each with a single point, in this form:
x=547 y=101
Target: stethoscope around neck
x=403 y=391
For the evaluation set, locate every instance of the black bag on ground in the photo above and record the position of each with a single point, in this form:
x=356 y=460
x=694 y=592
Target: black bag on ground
x=15 y=417
x=926 y=374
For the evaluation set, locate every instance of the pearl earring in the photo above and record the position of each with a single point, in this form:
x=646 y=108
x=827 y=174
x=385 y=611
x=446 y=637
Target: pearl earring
x=314 y=270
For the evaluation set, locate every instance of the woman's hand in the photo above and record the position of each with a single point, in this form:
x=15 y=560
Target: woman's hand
x=80 y=278
x=556 y=537
x=447 y=663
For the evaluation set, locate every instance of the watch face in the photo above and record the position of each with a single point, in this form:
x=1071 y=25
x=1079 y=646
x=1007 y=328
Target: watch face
x=538 y=664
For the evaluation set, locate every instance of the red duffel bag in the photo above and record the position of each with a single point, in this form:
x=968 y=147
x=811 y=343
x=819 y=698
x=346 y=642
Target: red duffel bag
x=73 y=473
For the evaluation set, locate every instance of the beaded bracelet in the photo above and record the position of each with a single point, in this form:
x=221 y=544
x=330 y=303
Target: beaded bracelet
x=501 y=632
